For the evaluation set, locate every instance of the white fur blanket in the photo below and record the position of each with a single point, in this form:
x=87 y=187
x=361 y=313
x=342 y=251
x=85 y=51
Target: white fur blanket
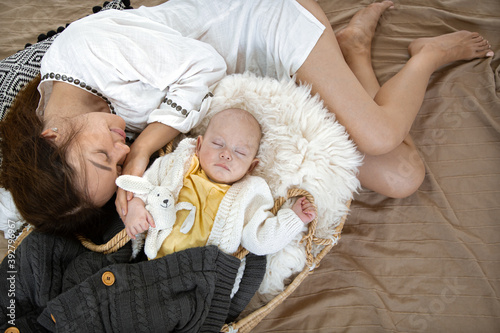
x=302 y=146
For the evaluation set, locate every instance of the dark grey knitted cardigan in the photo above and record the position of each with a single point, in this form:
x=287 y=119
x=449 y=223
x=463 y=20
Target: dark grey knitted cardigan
x=59 y=287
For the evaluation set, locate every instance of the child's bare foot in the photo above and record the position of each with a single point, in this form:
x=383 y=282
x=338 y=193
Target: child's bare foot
x=460 y=45
x=355 y=40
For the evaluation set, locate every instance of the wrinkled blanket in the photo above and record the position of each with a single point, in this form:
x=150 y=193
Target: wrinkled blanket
x=427 y=263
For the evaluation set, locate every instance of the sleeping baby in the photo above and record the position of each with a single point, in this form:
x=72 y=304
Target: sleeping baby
x=215 y=199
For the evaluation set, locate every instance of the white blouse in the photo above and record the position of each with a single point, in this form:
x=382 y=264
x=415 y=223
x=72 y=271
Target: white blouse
x=146 y=70
x=158 y=63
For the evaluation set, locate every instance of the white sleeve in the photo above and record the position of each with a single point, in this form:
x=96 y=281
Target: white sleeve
x=263 y=232
x=145 y=68
x=188 y=98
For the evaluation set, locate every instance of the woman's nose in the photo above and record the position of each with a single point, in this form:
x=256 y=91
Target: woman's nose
x=122 y=149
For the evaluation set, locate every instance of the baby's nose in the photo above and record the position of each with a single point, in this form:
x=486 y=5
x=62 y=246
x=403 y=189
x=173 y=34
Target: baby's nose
x=225 y=155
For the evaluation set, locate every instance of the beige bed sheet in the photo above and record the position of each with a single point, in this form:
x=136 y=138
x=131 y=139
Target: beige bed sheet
x=427 y=263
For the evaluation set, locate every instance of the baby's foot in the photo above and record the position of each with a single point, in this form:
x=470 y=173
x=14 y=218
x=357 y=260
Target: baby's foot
x=460 y=45
x=355 y=39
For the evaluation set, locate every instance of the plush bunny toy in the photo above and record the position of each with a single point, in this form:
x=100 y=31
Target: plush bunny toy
x=160 y=203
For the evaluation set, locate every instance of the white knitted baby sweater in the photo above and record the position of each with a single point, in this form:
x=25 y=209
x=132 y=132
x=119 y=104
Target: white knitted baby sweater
x=244 y=215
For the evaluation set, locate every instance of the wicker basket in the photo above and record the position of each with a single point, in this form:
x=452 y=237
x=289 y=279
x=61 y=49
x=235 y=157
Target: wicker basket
x=247 y=323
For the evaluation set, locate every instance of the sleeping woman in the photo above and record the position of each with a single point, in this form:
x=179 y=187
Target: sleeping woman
x=149 y=71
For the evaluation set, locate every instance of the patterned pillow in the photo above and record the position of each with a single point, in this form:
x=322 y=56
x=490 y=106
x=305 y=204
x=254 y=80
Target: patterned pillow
x=20 y=68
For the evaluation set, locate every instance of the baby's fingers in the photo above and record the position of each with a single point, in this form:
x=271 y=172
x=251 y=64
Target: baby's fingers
x=307 y=204
x=299 y=202
x=311 y=213
x=139 y=229
x=130 y=232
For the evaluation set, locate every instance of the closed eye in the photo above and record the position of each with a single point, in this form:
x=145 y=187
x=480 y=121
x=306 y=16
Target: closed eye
x=104 y=153
x=100 y=166
x=119 y=167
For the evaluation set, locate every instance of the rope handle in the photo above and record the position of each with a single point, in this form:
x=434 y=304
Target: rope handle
x=113 y=245
x=310 y=237
x=247 y=323
x=121 y=238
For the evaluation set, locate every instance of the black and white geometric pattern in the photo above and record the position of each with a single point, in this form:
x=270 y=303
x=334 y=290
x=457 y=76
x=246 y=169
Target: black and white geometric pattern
x=20 y=68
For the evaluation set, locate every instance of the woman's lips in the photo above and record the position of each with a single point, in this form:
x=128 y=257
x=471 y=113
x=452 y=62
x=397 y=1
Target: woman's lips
x=120 y=132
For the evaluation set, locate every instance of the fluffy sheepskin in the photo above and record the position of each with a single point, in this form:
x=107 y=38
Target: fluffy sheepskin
x=303 y=146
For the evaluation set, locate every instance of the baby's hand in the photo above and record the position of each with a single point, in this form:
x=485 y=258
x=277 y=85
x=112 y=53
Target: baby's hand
x=304 y=209
x=138 y=218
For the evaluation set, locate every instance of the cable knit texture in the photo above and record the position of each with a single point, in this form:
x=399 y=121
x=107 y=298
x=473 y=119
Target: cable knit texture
x=188 y=291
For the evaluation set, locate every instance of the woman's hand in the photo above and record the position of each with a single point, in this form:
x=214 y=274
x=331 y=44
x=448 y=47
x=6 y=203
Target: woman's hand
x=136 y=163
x=152 y=138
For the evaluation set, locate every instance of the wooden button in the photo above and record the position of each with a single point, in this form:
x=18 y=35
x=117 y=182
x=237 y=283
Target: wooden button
x=12 y=330
x=108 y=278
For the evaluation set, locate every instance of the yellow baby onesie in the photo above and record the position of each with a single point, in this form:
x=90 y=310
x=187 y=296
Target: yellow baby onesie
x=206 y=196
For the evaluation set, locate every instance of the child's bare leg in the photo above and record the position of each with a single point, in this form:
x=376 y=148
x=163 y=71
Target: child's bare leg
x=379 y=126
x=400 y=172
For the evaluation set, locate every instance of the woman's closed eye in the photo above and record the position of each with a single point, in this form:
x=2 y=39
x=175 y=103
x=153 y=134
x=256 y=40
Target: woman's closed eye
x=105 y=154
x=119 y=167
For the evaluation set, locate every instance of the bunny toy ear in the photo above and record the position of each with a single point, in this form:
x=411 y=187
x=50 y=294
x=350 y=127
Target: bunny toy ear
x=134 y=184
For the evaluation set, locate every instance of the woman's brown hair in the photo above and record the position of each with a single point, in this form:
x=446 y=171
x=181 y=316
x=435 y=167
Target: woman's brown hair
x=35 y=171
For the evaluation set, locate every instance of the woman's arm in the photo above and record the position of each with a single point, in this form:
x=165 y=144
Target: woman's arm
x=154 y=137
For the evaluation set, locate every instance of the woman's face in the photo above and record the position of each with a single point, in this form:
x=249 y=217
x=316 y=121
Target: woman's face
x=98 y=153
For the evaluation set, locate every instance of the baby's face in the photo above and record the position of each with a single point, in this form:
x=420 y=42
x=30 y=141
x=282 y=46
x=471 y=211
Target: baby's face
x=227 y=150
